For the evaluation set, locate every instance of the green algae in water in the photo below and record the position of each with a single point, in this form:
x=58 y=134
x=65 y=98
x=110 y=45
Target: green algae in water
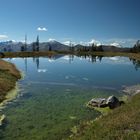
x=49 y=114
x=11 y=95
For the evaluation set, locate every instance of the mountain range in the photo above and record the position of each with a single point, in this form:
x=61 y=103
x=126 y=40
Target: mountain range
x=12 y=46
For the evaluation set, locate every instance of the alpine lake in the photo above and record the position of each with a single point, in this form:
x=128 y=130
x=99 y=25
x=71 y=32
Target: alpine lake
x=53 y=93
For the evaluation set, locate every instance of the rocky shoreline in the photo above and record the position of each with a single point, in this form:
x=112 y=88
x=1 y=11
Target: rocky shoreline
x=105 y=105
x=132 y=90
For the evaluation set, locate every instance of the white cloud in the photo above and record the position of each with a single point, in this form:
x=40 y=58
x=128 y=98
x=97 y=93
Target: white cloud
x=3 y=37
x=42 y=29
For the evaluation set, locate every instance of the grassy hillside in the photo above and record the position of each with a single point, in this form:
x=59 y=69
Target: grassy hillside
x=8 y=77
x=122 y=123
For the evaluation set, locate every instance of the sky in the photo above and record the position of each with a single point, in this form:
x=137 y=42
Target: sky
x=113 y=21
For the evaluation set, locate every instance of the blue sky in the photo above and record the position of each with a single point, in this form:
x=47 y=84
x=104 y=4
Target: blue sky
x=75 y=20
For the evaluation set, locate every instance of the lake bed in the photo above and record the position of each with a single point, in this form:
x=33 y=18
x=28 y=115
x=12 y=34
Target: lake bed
x=54 y=93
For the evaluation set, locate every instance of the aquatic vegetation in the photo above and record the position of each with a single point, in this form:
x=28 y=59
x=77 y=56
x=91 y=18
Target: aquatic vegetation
x=48 y=112
x=52 y=103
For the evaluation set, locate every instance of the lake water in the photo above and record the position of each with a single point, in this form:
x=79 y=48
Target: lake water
x=54 y=93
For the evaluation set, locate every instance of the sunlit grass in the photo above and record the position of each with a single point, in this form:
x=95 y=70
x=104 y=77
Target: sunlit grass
x=8 y=77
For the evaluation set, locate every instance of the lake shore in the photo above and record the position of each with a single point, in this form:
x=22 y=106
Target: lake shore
x=53 y=53
x=9 y=76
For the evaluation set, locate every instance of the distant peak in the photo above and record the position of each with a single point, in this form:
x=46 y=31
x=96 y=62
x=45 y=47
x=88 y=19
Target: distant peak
x=52 y=40
x=116 y=44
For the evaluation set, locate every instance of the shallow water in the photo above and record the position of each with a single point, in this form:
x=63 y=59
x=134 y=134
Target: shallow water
x=54 y=92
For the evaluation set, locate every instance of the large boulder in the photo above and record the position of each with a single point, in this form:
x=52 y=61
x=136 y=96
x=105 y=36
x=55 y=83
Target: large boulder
x=113 y=102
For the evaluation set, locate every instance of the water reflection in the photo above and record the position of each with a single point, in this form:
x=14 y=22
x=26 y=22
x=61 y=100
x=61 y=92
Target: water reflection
x=71 y=58
x=91 y=58
x=136 y=63
x=25 y=64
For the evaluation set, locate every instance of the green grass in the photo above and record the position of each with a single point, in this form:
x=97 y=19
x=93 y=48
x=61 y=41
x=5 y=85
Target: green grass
x=122 y=123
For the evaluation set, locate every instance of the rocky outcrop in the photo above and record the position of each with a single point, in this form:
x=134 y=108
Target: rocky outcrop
x=132 y=90
x=111 y=102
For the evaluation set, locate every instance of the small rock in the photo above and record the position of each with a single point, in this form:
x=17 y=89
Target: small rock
x=99 y=102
